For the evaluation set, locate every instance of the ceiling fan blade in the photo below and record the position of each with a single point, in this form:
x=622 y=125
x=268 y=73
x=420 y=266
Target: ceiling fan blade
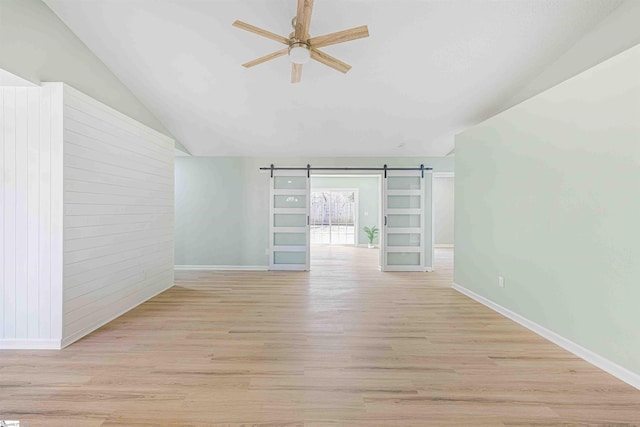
x=261 y=32
x=303 y=19
x=266 y=58
x=340 y=37
x=329 y=61
x=296 y=73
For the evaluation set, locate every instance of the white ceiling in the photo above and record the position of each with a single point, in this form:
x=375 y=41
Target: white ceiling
x=429 y=69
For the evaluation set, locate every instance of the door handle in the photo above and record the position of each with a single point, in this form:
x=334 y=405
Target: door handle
x=307 y=219
x=385 y=220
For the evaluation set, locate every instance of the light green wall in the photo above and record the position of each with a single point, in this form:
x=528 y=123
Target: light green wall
x=548 y=196
x=368 y=199
x=37 y=46
x=210 y=199
x=443 y=202
x=234 y=229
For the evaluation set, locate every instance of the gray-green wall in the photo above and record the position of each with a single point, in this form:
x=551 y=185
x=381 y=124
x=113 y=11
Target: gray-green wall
x=548 y=196
x=37 y=46
x=210 y=217
x=222 y=204
x=443 y=212
x=368 y=199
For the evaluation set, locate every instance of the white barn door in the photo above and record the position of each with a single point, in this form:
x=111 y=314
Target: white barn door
x=289 y=221
x=403 y=221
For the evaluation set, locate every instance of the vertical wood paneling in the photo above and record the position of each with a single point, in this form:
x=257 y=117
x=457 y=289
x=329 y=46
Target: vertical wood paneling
x=25 y=219
x=44 y=245
x=22 y=116
x=2 y=210
x=118 y=196
x=57 y=207
x=9 y=213
x=33 y=222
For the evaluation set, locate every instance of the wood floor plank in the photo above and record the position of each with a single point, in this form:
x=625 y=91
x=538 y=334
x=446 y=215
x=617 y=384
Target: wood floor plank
x=341 y=345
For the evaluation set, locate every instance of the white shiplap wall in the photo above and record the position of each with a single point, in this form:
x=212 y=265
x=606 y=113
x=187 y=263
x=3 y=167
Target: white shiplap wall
x=86 y=218
x=30 y=217
x=118 y=214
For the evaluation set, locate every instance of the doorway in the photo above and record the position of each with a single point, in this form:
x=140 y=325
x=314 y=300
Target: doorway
x=443 y=219
x=341 y=206
x=333 y=217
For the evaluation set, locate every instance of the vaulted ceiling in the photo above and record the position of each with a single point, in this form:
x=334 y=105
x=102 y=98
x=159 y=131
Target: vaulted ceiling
x=429 y=69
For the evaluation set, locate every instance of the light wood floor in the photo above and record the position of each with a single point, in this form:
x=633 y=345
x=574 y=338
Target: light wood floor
x=341 y=345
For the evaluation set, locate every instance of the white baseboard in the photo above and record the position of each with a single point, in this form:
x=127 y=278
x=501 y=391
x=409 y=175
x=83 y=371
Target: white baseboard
x=595 y=359
x=86 y=331
x=364 y=245
x=29 y=344
x=443 y=246
x=221 y=267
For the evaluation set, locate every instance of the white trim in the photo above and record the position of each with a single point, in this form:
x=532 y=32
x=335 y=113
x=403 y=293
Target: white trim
x=405 y=192
x=403 y=249
x=289 y=248
x=58 y=206
x=290 y=229
x=595 y=359
x=287 y=267
x=404 y=211
x=289 y=192
x=444 y=175
x=30 y=344
x=366 y=245
x=221 y=267
x=444 y=245
x=289 y=211
x=414 y=268
x=89 y=329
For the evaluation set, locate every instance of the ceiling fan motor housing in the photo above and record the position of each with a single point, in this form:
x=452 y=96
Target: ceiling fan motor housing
x=299 y=52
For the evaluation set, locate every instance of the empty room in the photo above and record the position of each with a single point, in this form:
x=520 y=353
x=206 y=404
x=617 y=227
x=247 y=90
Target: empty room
x=319 y=213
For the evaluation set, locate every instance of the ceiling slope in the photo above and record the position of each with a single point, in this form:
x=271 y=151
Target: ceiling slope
x=428 y=70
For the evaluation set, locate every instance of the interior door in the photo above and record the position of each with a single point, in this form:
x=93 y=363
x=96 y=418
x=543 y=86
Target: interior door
x=403 y=221
x=289 y=221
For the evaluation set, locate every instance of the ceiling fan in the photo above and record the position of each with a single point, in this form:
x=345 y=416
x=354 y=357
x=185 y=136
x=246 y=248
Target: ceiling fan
x=301 y=46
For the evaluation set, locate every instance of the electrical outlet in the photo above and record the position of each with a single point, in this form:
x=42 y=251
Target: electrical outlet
x=501 y=281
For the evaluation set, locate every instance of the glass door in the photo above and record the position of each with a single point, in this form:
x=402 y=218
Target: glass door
x=403 y=221
x=289 y=221
x=334 y=216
